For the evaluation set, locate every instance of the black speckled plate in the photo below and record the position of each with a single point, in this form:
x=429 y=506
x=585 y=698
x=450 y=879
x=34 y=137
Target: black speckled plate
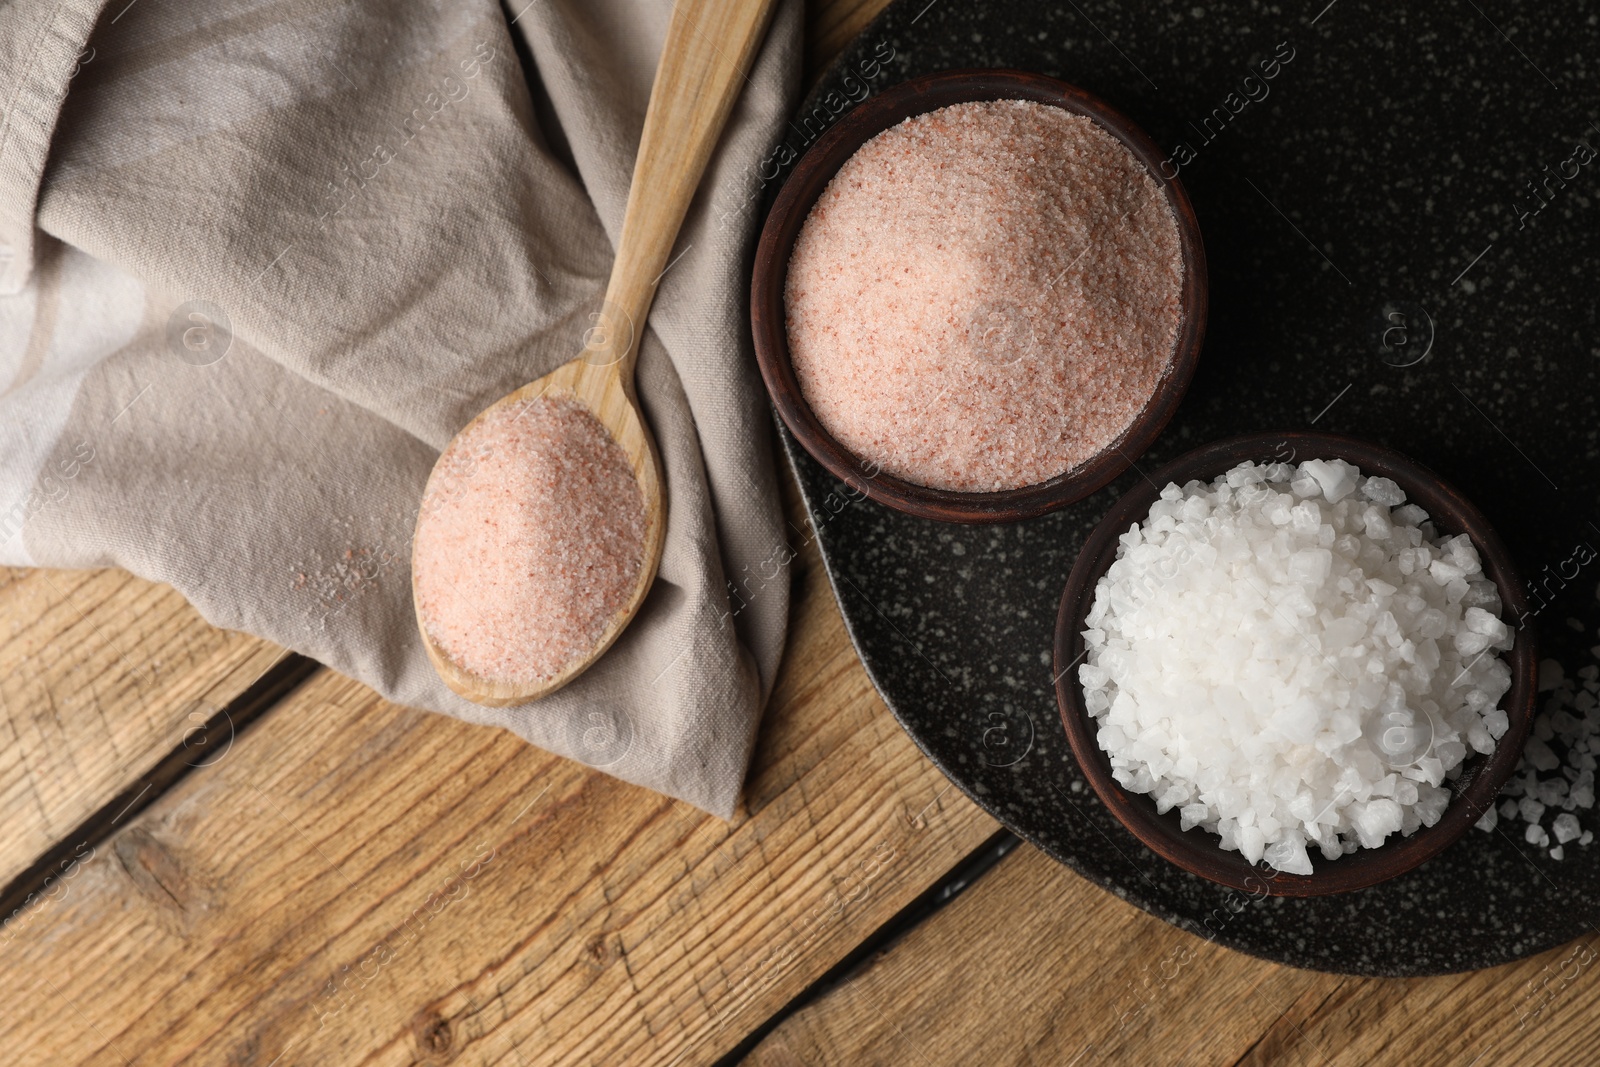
x=1379 y=267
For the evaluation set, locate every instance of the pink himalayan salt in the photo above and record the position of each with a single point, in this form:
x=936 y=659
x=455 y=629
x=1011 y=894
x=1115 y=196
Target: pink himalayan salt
x=985 y=296
x=530 y=542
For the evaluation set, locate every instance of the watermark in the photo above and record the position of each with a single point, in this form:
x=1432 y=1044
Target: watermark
x=1558 y=574
x=806 y=129
x=353 y=180
x=1253 y=89
x=600 y=736
x=336 y=585
x=1544 y=988
x=50 y=487
x=85 y=56
x=847 y=893
x=828 y=914
x=609 y=335
x=742 y=594
x=1541 y=194
x=206 y=739
x=1403 y=738
x=55 y=888
x=1147 y=986
x=1544 y=187
x=1006 y=737
x=199 y=333
x=999 y=334
x=1143 y=588
x=1403 y=334
x=342 y=989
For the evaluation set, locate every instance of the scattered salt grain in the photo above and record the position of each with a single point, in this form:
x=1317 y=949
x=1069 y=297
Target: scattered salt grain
x=1550 y=675
x=1555 y=777
x=530 y=540
x=985 y=296
x=1287 y=669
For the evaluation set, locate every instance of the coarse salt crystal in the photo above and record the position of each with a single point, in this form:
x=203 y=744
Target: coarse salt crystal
x=1289 y=678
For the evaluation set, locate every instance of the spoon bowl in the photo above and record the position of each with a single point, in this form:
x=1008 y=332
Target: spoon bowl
x=606 y=389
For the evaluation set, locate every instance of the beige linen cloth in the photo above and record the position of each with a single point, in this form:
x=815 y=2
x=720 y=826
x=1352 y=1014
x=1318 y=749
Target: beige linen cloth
x=261 y=259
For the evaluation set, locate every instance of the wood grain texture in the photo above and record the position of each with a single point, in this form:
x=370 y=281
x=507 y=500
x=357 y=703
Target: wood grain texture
x=1035 y=965
x=101 y=675
x=308 y=899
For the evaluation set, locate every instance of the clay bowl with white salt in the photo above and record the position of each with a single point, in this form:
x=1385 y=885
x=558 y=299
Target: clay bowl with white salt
x=1323 y=719
x=977 y=298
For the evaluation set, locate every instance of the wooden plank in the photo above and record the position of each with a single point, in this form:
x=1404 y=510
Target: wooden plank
x=1034 y=965
x=1540 y=1011
x=362 y=883
x=101 y=675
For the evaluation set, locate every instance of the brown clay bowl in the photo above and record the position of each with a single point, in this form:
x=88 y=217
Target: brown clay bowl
x=810 y=177
x=1197 y=850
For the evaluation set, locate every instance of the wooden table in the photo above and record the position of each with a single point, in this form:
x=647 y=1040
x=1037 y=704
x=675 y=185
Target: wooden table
x=237 y=857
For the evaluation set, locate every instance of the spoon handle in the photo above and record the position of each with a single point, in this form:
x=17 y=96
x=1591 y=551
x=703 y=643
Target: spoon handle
x=710 y=46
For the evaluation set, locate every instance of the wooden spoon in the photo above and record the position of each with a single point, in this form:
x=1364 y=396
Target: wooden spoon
x=709 y=47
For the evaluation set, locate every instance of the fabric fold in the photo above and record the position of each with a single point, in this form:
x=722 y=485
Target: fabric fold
x=43 y=45
x=288 y=250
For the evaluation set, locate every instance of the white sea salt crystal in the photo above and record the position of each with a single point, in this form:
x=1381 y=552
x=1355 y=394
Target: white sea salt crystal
x=1383 y=491
x=1539 y=755
x=1336 y=477
x=1566 y=827
x=1552 y=791
x=1409 y=515
x=1550 y=675
x=1289 y=855
x=1291 y=656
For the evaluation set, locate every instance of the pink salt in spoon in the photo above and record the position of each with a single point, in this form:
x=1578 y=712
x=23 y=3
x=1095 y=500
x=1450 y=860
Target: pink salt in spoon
x=709 y=47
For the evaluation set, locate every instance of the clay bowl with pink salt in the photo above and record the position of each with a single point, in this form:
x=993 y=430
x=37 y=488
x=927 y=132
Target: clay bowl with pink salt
x=977 y=298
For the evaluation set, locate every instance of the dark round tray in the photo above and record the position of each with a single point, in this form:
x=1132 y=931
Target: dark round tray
x=1339 y=208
